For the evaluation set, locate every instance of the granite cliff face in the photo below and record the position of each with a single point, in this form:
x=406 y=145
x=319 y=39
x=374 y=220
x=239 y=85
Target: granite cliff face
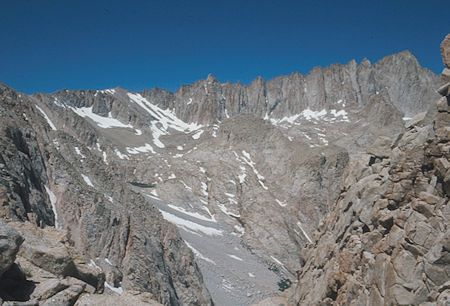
x=398 y=78
x=46 y=182
x=385 y=240
x=245 y=173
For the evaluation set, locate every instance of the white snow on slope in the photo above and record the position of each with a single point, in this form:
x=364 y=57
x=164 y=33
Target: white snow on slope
x=164 y=119
x=277 y=261
x=197 y=134
x=142 y=149
x=342 y=113
x=243 y=175
x=192 y=214
x=235 y=257
x=109 y=91
x=94 y=265
x=119 y=290
x=57 y=103
x=105 y=160
x=87 y=180
x=311 y=115
x=189 y=225
x=224 y=209
x=52 y=126
x=103 y=122
x=199 y=255
x=52 y=197
x=248 y=160
x=299 y=224
x=77 y=150
x=204 y=189
x=282 y=204
x=120 y=155
x=108 y=262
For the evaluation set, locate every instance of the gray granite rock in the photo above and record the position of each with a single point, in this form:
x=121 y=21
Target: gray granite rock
x=10 y=241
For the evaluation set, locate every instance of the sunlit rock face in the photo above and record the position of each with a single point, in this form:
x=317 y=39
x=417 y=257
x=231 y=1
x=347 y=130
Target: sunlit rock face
x=206 y=194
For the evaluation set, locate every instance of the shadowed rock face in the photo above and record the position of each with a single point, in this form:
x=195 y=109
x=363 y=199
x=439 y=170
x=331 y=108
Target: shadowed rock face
x=250 y=170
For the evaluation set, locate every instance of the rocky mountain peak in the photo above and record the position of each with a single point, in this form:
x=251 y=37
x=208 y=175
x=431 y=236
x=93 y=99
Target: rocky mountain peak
x=211 y=78
x=385 y=239
x=228 y=193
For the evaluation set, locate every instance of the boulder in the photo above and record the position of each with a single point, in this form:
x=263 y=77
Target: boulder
x=10 y=241
x=445 y=75
x=381 y=147
x=444 y=90
x=67 y=297
x=44 y=249
x=127 y=298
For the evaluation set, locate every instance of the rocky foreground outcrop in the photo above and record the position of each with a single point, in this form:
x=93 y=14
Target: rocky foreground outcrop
x=386 y=240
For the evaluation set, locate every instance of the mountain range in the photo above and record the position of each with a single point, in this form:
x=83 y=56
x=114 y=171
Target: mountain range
x=227 y=194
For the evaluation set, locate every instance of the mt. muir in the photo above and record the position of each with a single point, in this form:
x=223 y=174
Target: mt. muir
x=335 y=183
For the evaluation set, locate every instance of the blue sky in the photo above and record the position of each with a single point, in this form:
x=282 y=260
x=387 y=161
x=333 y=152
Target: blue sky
x=49 y=45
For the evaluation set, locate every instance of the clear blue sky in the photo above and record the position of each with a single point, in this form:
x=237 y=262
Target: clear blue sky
x=49 y=45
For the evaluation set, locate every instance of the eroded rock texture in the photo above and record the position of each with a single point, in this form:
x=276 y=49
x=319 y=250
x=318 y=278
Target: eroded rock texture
x=386 y=239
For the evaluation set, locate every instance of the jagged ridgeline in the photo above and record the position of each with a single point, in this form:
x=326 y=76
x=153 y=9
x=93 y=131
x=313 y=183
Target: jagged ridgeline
x=215 y=193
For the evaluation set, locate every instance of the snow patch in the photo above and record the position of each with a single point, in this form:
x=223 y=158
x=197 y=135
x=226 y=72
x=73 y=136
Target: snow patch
x=198 y=134
x=52 y=198
x=204 y=189
x=120 y=155
x=277 y=261
x=235 y=257
x=199 y=255
x=142 y=149
x=87 y=180
x=248 y=161
x=108 y=262
x=105 y=160
x=94 y=265
x=282 y=204
x=189 y=225
x=299 y=224
x=224 y=209
x=164 y=119
x=192 y=214
x=243 y=175
x=52 y=126
x=102 y=122
x=77 y=150
x=118 y=290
